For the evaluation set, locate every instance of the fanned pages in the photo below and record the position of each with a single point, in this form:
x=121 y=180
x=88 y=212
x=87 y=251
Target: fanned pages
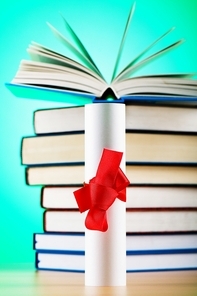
x=80 y=44
x=49 y=70
x=77 y=52
x=123 y=41
x=49 y=58
x=133 y=66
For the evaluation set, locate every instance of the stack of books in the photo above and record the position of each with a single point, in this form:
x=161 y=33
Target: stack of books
x=161 y=207
x=161 y=153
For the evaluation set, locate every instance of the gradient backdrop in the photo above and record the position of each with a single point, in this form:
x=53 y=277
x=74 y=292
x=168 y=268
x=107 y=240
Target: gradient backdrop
x=100 y=25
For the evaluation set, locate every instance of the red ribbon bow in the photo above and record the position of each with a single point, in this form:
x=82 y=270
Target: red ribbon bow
x=97 y=196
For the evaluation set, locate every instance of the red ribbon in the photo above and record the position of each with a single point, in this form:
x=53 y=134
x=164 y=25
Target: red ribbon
x=109 y=183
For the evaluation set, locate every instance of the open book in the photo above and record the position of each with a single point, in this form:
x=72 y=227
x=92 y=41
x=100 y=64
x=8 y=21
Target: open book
x=50 y=70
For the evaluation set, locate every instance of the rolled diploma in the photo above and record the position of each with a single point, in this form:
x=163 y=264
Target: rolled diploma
x=105 y=252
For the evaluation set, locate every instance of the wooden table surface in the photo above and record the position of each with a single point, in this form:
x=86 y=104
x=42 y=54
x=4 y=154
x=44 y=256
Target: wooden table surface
x=21 y=280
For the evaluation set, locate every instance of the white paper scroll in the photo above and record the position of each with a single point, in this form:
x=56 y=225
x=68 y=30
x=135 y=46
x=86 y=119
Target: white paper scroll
x=105 y=252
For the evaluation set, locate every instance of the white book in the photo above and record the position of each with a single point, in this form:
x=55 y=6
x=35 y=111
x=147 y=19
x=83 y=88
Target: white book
x=158 y=220
x=137 y=174
x=135 y=243
x=62 y=197
x=134 y=263
x=139 y=148
x=138 y=117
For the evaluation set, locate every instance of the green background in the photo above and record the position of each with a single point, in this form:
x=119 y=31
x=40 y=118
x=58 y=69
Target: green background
x=100 y=26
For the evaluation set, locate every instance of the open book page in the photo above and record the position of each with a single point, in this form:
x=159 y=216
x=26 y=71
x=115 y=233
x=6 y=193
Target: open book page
x=79 y=44
x=123 y=41
x=132 y=67
x=169 y=85
x=43 y=74
x=49 y=69
x=43 y=55
x=81 y=53
x=134 y=64
x=159 y=89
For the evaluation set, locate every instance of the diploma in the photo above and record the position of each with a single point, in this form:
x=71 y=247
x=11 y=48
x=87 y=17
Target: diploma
x=105 y=252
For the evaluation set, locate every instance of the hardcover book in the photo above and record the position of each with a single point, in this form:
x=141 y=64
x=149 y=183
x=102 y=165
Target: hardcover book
x=138 y=117
x=61 y=197
x=140 y=148
x=134 y=263
x=50 y=71
x=137 y=220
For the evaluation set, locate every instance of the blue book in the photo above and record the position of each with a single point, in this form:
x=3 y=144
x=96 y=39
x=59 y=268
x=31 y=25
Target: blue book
x=134 y=263
x=150 y=252
x=138 y=243
x=61 y=261
x=50 y=75
x=81 y=98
